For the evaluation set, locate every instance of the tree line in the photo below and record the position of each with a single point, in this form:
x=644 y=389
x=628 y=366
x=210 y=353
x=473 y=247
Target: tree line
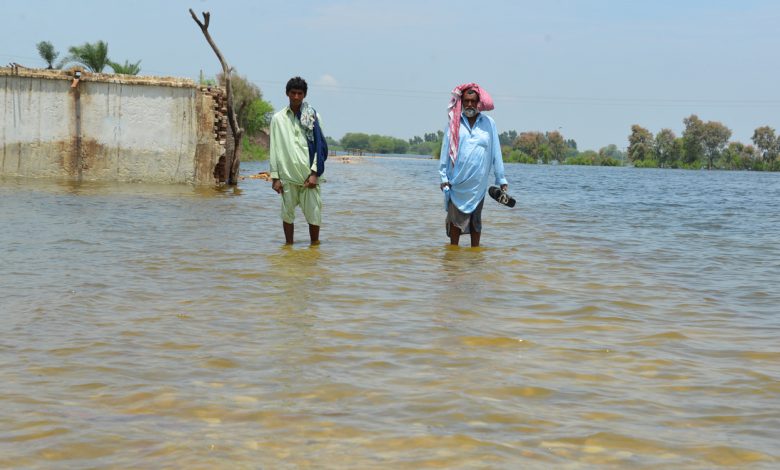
x=553 y=147
x=428 y=144
x=703 y=145
x=525 y=147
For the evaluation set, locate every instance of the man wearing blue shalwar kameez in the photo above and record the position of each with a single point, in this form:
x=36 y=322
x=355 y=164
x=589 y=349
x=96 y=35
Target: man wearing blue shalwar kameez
x=470 y=151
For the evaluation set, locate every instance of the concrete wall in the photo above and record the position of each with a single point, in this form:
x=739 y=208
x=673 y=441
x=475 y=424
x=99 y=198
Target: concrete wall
x=108 y=127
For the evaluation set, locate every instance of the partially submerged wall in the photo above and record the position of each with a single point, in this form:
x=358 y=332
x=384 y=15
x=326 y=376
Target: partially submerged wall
x=107 y=127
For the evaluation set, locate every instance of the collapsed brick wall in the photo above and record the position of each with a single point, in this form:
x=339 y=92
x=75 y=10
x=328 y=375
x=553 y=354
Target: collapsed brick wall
x=221 y=134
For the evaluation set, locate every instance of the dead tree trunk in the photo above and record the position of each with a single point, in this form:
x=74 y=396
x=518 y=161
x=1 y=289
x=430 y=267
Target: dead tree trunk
x=231 y=161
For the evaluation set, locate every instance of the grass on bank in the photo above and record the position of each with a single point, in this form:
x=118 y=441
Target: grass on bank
x=252 y=151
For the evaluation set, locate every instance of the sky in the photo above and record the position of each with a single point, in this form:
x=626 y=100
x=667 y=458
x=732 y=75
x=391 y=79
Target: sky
x=589 y=69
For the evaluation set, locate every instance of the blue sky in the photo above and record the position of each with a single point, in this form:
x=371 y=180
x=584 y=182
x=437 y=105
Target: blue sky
x=590 y=68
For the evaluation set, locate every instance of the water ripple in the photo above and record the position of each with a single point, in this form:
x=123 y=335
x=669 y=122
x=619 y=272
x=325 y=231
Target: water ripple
x=616 y=318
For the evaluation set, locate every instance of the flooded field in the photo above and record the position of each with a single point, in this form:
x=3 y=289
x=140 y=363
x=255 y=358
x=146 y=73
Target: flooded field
x=615 y=318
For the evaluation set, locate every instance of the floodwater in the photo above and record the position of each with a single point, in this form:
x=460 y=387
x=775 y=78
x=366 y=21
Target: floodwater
x=616 y=318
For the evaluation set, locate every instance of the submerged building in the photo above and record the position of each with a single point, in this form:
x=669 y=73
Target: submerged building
x=109 y=127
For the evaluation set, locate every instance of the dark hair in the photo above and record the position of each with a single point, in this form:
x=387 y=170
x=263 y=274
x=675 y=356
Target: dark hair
x=297 y=83
x=471 y=90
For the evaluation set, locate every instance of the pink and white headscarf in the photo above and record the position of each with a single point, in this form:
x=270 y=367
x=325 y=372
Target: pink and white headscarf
x=454 y=110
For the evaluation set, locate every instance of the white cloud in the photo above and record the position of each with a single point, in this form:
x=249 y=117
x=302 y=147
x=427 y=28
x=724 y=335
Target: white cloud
x=327 y=81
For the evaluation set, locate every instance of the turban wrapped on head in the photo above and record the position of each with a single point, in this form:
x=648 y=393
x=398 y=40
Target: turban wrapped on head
x=454 y=110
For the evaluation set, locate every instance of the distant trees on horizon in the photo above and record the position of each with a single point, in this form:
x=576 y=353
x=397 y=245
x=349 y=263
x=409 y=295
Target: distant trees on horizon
x=703 y=145
x=525 y=147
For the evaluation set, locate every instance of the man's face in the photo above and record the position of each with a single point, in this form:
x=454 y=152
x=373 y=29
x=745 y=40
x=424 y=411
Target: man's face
x=296 y=97
x=469 y=101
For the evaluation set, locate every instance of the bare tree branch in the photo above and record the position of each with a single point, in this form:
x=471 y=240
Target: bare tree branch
x=232 y=163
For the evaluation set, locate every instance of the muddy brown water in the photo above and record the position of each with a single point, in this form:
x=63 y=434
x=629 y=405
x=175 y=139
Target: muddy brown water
x=615 y=318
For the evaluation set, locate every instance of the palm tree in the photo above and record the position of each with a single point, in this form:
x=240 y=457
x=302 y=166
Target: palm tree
x=47 y=53
x=127 y=68
x=92 y=56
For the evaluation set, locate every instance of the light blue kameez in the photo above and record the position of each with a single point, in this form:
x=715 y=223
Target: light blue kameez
x=479 y=151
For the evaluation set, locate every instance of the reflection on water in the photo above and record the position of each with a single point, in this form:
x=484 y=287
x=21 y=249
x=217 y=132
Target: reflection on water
x=299 y=278
x=456 y=260
x=614 y=318
x=464 y=277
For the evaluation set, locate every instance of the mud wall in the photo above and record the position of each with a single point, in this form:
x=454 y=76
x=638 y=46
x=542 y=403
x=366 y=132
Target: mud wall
x=107 y=127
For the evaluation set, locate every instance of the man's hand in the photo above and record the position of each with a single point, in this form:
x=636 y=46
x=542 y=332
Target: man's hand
x=311 y=181
x=445 y=185
x=276 y=185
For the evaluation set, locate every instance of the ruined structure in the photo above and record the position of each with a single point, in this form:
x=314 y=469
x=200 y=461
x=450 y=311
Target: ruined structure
x=106 y=127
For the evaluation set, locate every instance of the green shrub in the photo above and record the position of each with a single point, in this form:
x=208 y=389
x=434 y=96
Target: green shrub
x=647 y=163
x=518 y=156
x=252 y=152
